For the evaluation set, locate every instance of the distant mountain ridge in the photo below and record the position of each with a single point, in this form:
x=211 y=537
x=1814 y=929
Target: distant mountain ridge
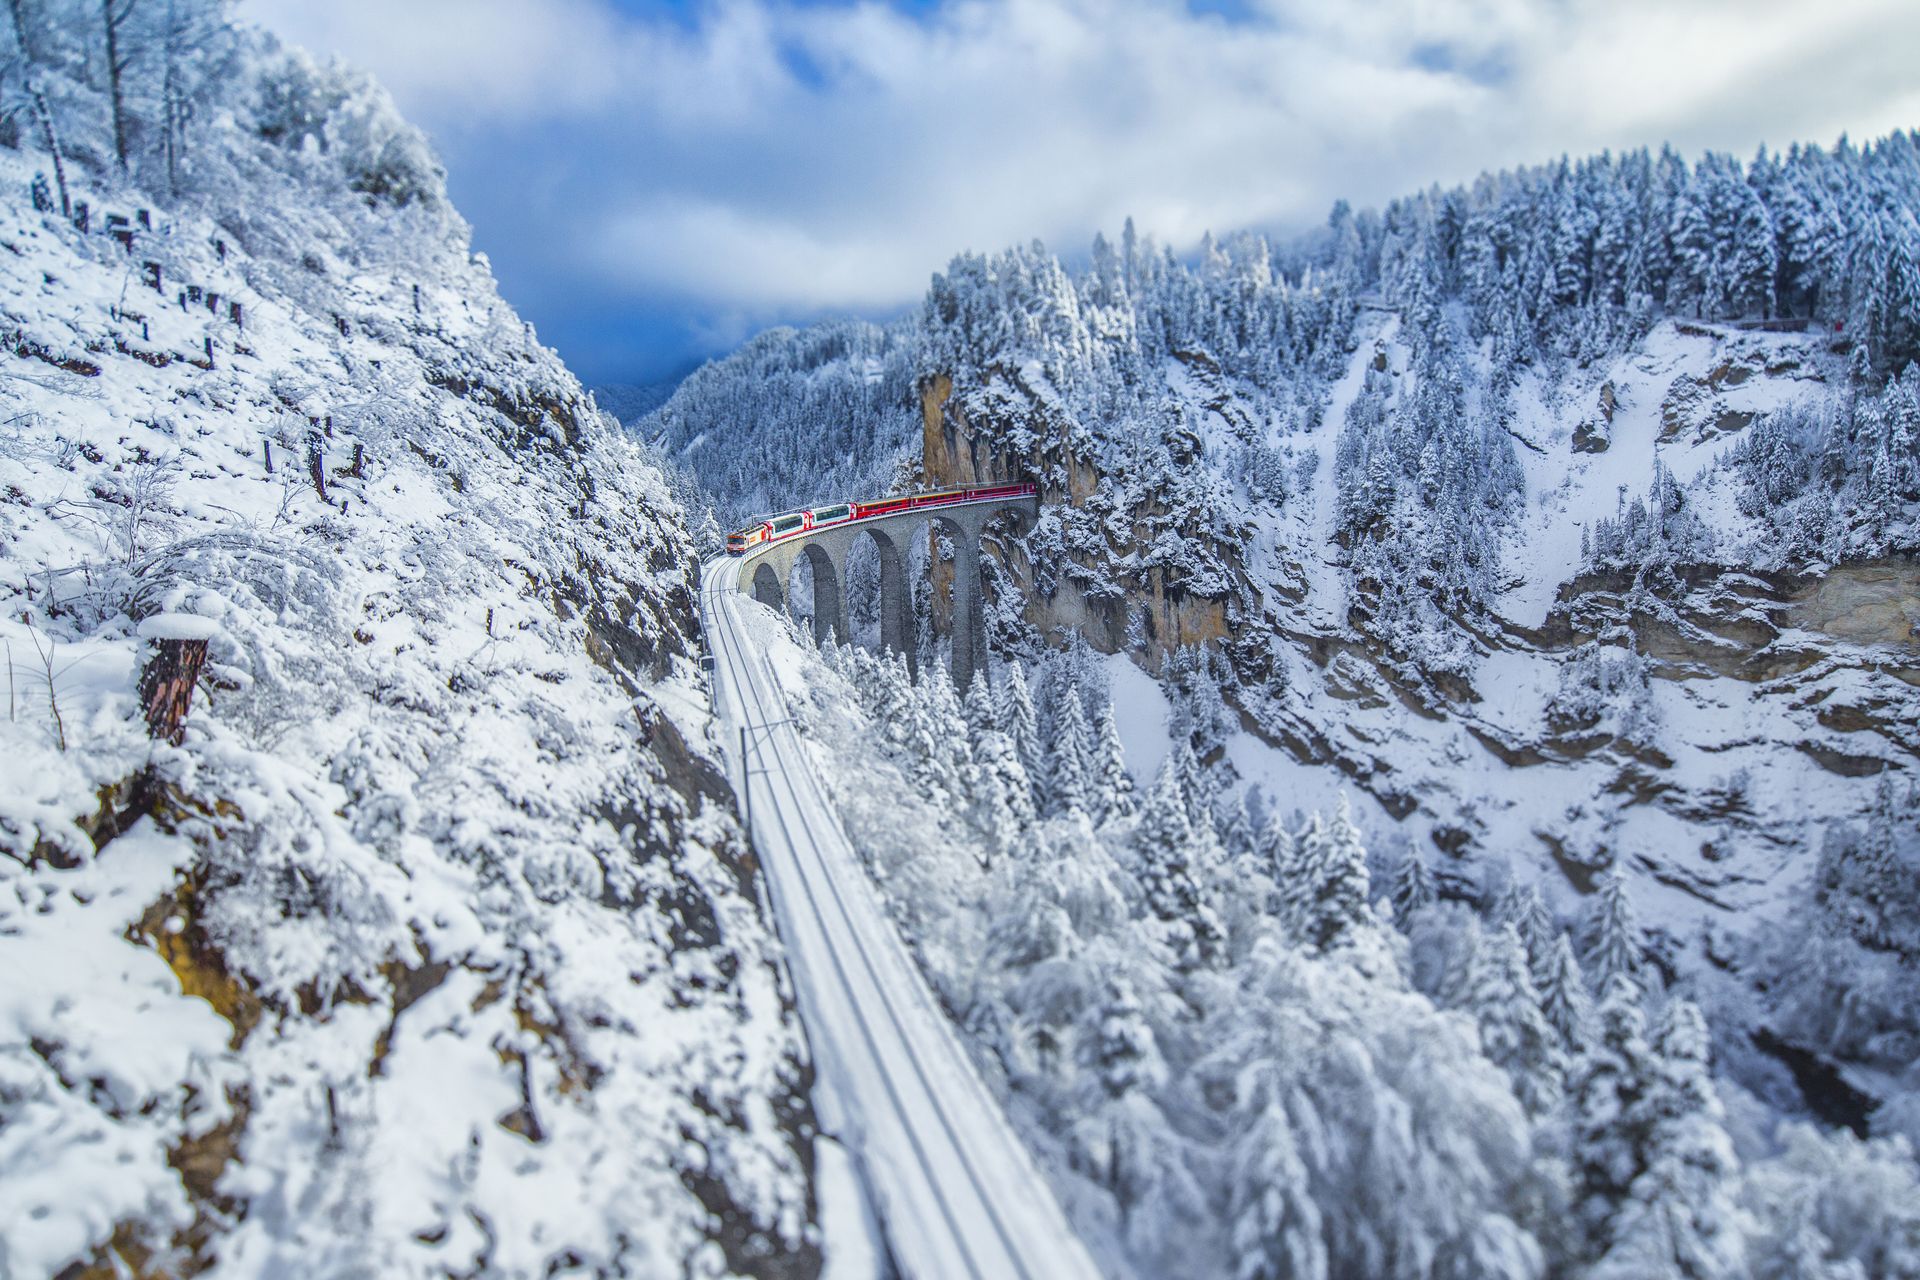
x=631 y=401
x=794 y=416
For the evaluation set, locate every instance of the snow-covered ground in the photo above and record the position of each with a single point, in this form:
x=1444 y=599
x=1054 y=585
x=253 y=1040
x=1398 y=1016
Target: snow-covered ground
x=433 y=947
x=1714 y=730
x=1567 y=491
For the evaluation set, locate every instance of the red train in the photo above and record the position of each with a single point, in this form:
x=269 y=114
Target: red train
x=786 y=526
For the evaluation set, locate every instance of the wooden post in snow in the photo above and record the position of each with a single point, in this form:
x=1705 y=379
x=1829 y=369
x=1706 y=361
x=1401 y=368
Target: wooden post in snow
x=317 y=464
x=177 y=652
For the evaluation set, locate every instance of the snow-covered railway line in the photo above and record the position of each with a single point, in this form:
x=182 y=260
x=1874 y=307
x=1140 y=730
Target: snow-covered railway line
x=957 y=1192
x=882 y=1053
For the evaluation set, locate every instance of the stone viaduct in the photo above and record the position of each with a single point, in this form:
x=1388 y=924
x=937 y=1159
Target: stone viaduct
x=765 y=571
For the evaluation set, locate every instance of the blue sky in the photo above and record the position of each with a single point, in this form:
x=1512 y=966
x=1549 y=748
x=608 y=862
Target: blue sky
x=655 y=180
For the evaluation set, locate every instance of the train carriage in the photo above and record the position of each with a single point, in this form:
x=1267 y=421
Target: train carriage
x=797 y=522
x=881 y=507
x=840 y=513
x=790 y=523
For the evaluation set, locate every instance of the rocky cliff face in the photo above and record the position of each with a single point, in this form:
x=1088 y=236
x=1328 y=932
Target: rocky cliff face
x=1698 y=721
x=1153 y=615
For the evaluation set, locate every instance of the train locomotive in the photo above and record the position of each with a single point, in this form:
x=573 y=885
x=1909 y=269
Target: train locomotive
x=792 y=523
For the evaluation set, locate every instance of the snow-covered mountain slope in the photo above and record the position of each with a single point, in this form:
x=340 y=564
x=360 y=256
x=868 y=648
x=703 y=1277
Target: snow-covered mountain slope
x=1791 y=688
x=632 y=401
x=1566 y=522
x=791 y=415
x=1402 y=484
x=1236 y=1052
x=432 y=947
x=1615 y=651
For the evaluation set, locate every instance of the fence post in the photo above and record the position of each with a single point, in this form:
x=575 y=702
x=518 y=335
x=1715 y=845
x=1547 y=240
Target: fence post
x=317 y=465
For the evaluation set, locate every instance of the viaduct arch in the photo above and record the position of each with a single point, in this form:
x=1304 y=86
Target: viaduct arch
x=765 y=571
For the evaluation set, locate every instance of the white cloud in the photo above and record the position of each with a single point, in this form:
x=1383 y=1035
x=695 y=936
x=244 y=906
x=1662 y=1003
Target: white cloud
x=445 y=59
x=758 y=157
x=737 y=258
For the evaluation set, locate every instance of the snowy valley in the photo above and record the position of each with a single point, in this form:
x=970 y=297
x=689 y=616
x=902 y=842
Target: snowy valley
x=1441 y=802
x=1517 y=585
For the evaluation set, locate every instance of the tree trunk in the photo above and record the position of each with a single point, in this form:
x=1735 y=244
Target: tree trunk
x=166 y=686
x=114 y=69
x=172 y=107
x=170 y=125
x=20 y=30
x=52 y=140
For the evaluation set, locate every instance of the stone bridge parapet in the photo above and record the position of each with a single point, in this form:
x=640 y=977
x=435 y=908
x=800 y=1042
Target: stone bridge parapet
x=765 y=570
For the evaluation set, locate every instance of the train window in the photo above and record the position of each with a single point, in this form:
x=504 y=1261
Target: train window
x=787 y=524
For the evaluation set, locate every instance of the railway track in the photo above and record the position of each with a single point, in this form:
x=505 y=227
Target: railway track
x=956 y=1193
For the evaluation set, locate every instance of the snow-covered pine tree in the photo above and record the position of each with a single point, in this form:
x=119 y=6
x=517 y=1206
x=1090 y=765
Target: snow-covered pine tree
x=1112 y=782
x=1201 y=718
x=1861 y=881
x=988 y=810
x=1068 y=788
x=1196 y=787
x=1030 y=926
x=1331 y=902
x=1021 y=725
x=934 y=738
x=1247 y=898
x=1831 y=1206
x=888 y=697
x=994 y=754
x=1292 y=876
x=1122 y=1140
x=1277 y=847
x=1521 y=906
x=1679 y=1220
x=948 y=722
x=1795 y=1248
x=1124 y=1056
x=1539 y=931
x=1276 y=1229
x=1413 y=888
x=1607 y=1093
x=1564 y=998
x=1165 y=852
x=1614 y=945
x=1236 y=834
x=1163 y=813
x=1755 y=265
x=978 y=708
x=1514 y=1032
